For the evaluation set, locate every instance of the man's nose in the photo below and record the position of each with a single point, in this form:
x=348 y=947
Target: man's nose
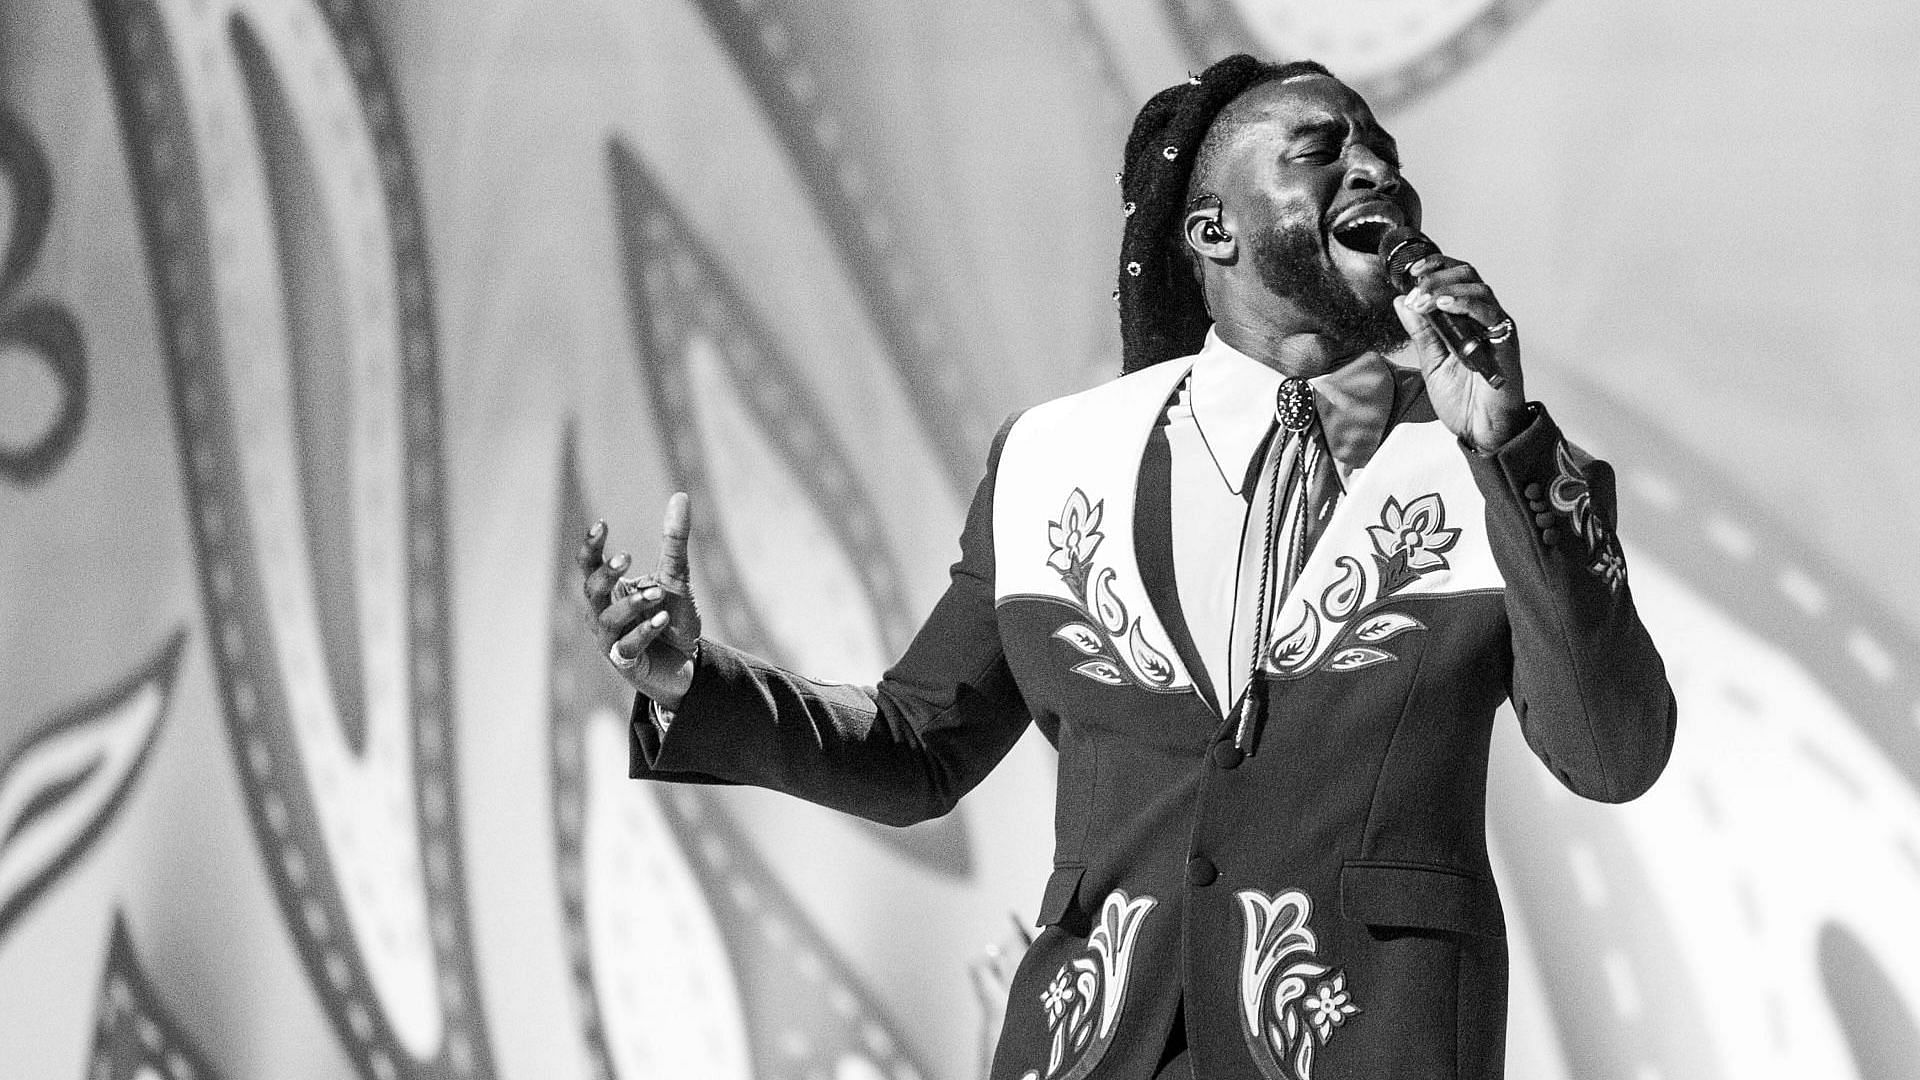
x=1367 y=169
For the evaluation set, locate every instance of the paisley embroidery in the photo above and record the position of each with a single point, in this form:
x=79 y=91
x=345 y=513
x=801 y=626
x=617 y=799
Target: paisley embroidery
x=1344 y=595
x=1083 y=1001
x=1572 y=495
x=1107 y=626
x=1290 y=1002
x=1410 y=542
x=1385 y=625
x=1357 y=657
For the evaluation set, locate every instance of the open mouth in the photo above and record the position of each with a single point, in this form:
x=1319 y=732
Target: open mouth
x=1362 y=231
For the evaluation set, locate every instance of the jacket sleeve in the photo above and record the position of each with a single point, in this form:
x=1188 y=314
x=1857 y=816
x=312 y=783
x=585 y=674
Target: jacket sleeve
x=1587 y=683
x=898 y=753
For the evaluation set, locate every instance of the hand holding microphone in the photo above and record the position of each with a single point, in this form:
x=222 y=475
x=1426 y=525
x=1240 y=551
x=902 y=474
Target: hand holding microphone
x=1468 y=350
x=1404 y=248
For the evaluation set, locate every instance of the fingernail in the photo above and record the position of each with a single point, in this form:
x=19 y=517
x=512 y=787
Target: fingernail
x=659 y=618
x=1444 y=301
x=619 y=562
x=598 y=528
x=651 y=594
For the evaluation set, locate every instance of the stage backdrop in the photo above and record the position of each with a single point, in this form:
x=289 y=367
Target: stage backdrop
x=327 y=326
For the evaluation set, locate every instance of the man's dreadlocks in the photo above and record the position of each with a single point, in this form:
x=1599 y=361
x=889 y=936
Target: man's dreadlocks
x=1163 y=313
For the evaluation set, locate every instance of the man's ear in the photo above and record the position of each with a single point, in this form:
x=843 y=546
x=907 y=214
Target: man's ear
x=1208 y=235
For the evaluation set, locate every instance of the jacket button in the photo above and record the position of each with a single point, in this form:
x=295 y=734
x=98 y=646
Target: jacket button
x=1201 y=871
x=1228 y=756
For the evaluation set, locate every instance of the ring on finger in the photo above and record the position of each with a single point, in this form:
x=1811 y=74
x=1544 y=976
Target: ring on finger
x=627 y=586
x=621 y=660
x=1500 y=331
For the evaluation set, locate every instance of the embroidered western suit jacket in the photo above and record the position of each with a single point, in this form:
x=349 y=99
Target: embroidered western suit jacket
x=1321 y=900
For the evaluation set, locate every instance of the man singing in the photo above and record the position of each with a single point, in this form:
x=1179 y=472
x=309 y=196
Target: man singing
x=1264 y=592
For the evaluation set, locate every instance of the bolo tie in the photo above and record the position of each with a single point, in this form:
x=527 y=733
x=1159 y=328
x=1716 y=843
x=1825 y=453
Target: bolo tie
x=1299 y=495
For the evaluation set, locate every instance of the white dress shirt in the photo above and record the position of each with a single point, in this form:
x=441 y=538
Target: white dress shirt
x=1217 y=427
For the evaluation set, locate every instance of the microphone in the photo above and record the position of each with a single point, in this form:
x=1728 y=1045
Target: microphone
x=1400 y=249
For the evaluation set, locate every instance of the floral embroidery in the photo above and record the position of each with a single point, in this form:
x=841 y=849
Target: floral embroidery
x=1083 y=1001
x=1057 y=997
x=1290 y=1002
x=1572 y=494
x=1075 y=537
x=1609 y=565
x=1410 y=542
x=1330 y=1005
x=1106 y=623
x=1069 y=1004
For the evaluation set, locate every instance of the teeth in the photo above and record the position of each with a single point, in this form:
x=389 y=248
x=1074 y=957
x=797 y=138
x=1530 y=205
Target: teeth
x=1362 y=232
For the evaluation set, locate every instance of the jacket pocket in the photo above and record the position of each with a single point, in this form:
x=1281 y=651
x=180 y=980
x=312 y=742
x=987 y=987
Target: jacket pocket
x=1420 y=896
x=1057 y=903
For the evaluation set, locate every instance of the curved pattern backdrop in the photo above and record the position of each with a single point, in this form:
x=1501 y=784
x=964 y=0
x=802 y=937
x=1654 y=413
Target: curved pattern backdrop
x=326 y=328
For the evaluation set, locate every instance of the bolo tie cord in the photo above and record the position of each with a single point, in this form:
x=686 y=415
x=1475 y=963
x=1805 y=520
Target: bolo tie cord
x=1253 y=701
x=1254 y=696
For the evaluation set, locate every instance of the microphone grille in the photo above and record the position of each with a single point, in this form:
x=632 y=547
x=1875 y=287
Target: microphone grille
x=1403 y=246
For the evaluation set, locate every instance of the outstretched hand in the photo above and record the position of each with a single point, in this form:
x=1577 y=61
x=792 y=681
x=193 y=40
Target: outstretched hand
x=1465 y=402
x=647 y=625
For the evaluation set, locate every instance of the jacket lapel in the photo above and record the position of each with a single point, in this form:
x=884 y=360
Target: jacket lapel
x=1153 y=551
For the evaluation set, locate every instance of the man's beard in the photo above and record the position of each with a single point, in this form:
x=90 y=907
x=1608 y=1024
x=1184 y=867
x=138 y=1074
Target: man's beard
x=1293 y=265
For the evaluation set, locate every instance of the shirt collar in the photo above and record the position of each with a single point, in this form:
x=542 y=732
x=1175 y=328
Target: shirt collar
x=1232 y=396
